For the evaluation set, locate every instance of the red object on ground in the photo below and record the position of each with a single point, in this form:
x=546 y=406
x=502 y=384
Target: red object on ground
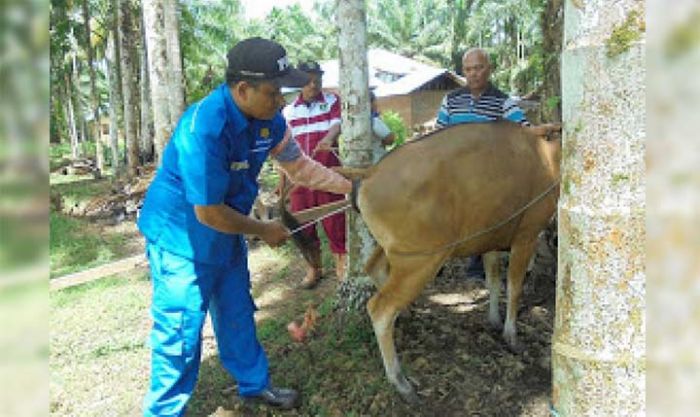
x=297 y=333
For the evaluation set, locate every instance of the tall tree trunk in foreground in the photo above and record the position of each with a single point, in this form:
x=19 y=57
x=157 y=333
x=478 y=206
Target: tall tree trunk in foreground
x=673 y=218
x=96 y=125
x=126 y=44
x=354 y=95
x=153 y=19
x=176 y=81
x=598 y=347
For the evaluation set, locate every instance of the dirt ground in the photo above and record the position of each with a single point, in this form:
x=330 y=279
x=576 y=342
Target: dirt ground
x=458 y=364
x=462 y=365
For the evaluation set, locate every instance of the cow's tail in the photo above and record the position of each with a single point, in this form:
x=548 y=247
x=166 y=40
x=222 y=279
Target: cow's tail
x=301 y=240
x=353 y=195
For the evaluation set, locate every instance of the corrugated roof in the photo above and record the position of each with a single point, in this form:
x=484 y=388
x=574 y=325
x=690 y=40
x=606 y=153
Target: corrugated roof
x=389 y=73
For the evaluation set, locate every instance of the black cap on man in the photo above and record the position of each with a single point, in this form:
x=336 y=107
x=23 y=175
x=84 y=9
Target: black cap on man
x=264 y=60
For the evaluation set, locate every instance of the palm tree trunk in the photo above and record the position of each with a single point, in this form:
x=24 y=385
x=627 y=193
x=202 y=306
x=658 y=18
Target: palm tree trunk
x=77 y=151
x=67 y=112
x=352 y=44
x=175 y=77
x=70 y=117
x=119 y=94
x=146 y=114
x=96 y=131
x=462 y=9
x=153 y=17
x=112 y=63
x=598 y=347
x=552 y=23
x=126 y=43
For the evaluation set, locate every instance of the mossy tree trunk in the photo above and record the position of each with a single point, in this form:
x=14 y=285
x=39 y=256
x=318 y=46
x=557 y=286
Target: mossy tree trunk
x=146 y=142
x=94 y=101
x=598 y=348
x=176 y=80
x=356 y=142
x=154 y=27
x=126 y=44
x=112 y=64
x=552 y=22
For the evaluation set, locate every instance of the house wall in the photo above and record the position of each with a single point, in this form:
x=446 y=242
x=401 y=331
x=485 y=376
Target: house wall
x=415 y=108
x=426 y=104
x=399 y=104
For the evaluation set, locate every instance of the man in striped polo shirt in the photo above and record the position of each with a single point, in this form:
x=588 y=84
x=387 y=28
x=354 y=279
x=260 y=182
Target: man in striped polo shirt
x=314 y=118
x=480 y=101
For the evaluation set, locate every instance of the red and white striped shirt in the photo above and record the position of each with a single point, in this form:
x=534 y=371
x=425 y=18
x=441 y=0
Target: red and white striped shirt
x=311 y=121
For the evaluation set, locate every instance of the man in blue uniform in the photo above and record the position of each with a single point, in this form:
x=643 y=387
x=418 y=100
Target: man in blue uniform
x=195 y=215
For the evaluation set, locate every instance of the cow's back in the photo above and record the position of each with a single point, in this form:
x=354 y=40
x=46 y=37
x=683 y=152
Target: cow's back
x=454 y=183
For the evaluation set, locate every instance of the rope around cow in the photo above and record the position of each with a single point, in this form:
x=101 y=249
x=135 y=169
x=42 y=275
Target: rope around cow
x=452 y=244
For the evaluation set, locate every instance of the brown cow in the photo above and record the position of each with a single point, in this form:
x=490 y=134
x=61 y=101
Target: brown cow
x=463 y=190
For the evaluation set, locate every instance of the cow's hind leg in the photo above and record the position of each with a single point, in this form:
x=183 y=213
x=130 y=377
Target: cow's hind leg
x=377 y=267
x=492 y=267
x=520 y=255
x=407 y=278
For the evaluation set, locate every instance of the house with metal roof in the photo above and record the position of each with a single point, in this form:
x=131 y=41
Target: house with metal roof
x=412 y=89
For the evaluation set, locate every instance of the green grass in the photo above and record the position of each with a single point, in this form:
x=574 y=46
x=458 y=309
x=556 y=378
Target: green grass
x=99 y=357
x=59 y=156
x=75 y=245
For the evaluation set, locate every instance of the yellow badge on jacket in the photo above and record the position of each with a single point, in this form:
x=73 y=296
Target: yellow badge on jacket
x=264 y=132
x=239 y=166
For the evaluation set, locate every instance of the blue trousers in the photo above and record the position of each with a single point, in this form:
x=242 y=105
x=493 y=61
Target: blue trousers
x=183 y=292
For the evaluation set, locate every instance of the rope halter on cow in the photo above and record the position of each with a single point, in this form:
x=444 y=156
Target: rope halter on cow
x=449 y=245
x=483 y=231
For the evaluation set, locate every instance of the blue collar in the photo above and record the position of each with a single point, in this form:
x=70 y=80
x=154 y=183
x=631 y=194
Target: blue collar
x=233 y=113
